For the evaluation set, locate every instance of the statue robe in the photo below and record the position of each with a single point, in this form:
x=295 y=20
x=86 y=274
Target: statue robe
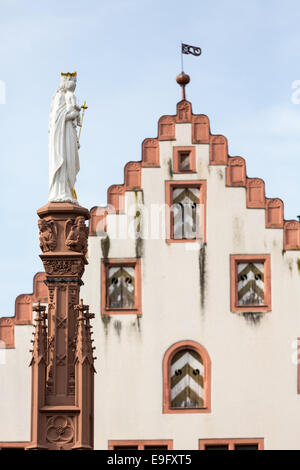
x=63 y=150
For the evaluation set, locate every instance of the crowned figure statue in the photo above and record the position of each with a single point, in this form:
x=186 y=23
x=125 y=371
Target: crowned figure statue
x=63 y=141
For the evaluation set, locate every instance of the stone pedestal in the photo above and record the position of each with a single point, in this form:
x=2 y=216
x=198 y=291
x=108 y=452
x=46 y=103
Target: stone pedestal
x=62 y=362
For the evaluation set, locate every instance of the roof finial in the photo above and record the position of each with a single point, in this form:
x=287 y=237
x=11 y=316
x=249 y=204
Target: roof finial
x=182 y=80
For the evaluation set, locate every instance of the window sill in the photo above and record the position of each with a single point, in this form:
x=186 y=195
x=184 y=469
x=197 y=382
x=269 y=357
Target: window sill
x=183 y=172
x=184 y=240
x=122 y=311
x=253 y=308
x=186 y=410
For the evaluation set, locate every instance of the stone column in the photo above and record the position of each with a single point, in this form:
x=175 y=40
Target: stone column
x=63 y=240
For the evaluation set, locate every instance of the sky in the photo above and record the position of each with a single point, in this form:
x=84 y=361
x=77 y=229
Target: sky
x=127 y=56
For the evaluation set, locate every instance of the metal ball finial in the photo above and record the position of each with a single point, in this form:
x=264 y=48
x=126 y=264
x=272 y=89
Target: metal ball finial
x=183 y=79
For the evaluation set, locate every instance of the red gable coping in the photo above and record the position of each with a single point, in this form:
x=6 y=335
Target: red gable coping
x=236 y=175
x=23 y=311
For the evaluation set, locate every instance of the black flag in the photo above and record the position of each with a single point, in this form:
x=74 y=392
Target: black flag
x=186 y=49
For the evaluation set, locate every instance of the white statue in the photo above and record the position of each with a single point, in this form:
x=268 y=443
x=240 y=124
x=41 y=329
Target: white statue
x=63 y=141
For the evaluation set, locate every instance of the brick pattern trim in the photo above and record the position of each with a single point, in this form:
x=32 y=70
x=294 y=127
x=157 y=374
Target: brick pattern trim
x=236 y=172
x=274 y=213
x=291 y=240
x=200 y=129
x=150 y=153
x=218 y=150
x=23 y=311
x=255 y=193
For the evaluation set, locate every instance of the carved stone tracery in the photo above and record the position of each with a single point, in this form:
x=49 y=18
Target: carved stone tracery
x=60 y=429
x=64 y=266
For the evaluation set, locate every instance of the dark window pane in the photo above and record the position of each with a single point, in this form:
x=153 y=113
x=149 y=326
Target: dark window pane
x=121 y=287
x=216 y=447
x=158 y=447
x=184 y=161
x=125 y=447
x=12 y=448
x=185 y=207
x=246 y=447
x=250 y=284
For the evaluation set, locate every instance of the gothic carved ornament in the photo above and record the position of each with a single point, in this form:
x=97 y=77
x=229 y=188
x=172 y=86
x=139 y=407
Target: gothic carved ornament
x=151 y=143
x=274 y=203
x=62 y=267
x=255 y=182
x=59 y=429
x=48 y=235
x=76 y=234
x=236 y=161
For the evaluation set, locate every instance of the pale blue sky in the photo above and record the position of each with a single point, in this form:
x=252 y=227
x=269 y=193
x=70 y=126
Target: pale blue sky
x=127 y=55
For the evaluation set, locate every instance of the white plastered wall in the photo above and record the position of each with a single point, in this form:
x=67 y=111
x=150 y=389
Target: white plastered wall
x=254 y=381
x=15 y=388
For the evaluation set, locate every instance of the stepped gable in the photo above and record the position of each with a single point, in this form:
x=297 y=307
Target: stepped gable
x=236 y=175
x=23 y=311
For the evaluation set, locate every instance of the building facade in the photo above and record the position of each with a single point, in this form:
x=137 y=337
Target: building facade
x=193 y=277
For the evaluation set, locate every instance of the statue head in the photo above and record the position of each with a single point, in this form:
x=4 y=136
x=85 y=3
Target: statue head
x=42 y=225
x=68 y=81
x=80 y=222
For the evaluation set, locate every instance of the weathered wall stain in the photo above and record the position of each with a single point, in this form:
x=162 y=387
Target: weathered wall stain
x=106 y=319
x=139 y=242
x=118 y=327
x=253 y=318
x=238 y=233
x=138 y=323
x=170 y=167
x=139 y=247
x=105 y=246
x=202 y=269
x=220 y=174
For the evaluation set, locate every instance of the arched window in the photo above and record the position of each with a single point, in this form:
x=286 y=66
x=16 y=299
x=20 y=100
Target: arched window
x=187 y=370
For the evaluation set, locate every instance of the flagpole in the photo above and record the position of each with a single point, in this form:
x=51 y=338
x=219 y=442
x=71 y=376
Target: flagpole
x=181 y=58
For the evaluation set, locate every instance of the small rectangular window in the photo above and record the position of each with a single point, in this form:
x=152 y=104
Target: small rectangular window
x=158 y=447
x=231 y=444
x=125 y=448
x=121 y=286
x=250 y=283
x=140 y=445
x=185 y=211
x=184 y=159
x=185 y=208
x=216 y=447
x=246 y=447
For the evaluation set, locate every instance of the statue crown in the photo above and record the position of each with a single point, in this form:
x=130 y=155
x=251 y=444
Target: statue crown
x=69 y=74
